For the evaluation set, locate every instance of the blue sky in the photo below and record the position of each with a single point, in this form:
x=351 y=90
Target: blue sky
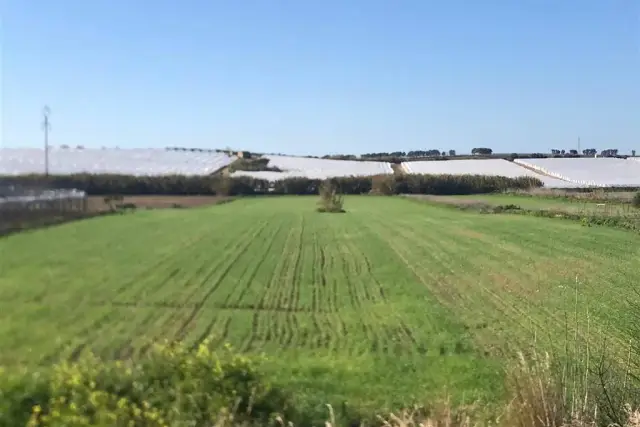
x=316 y=77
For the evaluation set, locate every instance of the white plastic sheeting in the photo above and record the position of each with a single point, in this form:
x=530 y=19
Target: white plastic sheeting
x=592 y=172
x=20 y=161
x=311 y=167
x=47 y=195
x=276 y=176
x=491 y=167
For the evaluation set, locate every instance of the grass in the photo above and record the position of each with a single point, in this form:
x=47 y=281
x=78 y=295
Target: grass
x=398 y=296
x=575 y=205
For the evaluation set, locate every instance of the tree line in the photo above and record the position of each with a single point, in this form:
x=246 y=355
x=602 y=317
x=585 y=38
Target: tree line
x=107 y=184
x=433 y=154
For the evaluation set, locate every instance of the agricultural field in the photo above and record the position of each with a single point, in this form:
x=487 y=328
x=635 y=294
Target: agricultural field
x=593 y=172
x=138 y=162
x=582 y=206
x=489 y=167
x=409 y=299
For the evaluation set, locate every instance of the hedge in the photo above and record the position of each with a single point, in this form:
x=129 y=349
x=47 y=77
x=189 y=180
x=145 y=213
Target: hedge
x=104 y=184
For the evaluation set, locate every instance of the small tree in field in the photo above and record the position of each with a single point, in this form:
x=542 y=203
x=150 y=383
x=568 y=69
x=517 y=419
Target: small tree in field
x=331 y=201
x=383 y=184
x=636 y=200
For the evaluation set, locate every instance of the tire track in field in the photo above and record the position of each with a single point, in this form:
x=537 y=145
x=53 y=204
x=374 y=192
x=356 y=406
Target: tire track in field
x=162 y=261
x=289 y=255
x=206 y=268
x=368 y=271
x=217 y=330
x=325 y=336
x=445 y=299
x=314 y=274
x=89 y=330
x=176 y=263
x=288 y=327
x=318 y=282
x=250 y=333
x=520 y=314
x=341 y=259
x=270 y=300
x=449 y=300
x=359 y=268
x=332 y=293
x=324 y=293
x=243 y=247
x=206 y=333
x=293 y=282
x=357 y=292
x=127 y=349
x=453 y=295
x=349 y=276
x=256 y=266
x=514 y=258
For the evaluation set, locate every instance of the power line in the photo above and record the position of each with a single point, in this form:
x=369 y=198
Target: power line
x=46 y=126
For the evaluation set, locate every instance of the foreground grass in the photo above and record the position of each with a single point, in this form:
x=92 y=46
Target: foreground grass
x=174 y=385
x=393 y=294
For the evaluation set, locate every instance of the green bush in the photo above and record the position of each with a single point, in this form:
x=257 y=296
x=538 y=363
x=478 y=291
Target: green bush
x=174 y=385
x=212 y=185
x=635 y=202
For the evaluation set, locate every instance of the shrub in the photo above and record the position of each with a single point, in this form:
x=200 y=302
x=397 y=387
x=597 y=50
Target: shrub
x=635 y=202
x=174 y=385
x=383 y=184
x=331 y=201
x=255 y=164
x=221 y=185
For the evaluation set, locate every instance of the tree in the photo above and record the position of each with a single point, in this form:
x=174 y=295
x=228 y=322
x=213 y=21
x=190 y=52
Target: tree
x=331 y=200
x=482 y=151
x=633 y=153
x=452 y=153
x=589 y=151
x=609 y=152
x=573 y=152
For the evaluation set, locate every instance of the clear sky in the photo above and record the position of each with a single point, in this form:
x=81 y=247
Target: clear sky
x=323 y=76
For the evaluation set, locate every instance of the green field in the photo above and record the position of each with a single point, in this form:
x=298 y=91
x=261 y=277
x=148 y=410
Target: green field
x=393 y=301
x=569 y=205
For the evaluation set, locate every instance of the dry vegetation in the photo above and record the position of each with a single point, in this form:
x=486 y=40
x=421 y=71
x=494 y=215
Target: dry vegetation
x=331 y=199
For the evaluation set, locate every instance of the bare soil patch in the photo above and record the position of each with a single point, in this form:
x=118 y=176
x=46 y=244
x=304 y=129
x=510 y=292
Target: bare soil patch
x=461 y=203
x=31 y=219
x=97 y=203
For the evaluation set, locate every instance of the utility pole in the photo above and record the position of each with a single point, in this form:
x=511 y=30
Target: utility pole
x=46 y=126
x=579 y=152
